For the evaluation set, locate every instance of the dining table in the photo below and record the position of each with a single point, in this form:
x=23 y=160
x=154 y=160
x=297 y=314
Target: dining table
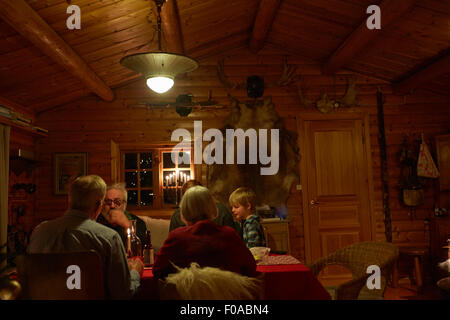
x=281 y=281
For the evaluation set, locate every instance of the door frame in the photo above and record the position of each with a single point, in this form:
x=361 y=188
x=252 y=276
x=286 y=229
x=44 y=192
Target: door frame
x=345 y=115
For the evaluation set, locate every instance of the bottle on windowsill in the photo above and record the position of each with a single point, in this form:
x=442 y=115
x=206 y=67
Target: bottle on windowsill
x=149 y=259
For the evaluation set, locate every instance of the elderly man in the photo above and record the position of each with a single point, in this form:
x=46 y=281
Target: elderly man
x=115 y=216
x=78 y=231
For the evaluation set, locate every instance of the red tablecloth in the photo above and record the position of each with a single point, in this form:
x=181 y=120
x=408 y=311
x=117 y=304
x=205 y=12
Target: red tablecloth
x=291 y=282
x=281 y=282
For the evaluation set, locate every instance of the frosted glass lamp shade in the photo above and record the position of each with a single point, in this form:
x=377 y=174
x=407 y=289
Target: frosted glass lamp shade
x=154 y=65
x=160 y=84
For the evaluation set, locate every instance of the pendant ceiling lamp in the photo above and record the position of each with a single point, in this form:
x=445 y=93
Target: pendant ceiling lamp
x=159 y=68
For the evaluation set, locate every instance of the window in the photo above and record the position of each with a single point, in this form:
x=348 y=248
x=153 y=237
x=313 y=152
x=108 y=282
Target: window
x=152 y=179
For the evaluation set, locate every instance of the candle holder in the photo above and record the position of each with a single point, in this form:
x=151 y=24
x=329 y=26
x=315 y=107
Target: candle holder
x=175 y=180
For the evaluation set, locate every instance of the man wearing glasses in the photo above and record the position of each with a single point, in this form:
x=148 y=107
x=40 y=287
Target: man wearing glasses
x=115 y=216
x=77 y=231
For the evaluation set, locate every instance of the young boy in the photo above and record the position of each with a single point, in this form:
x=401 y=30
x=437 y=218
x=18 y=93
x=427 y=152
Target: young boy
x=243 y=201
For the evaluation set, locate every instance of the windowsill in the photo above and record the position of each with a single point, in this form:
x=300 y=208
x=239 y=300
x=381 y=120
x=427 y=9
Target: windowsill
x=165 y=213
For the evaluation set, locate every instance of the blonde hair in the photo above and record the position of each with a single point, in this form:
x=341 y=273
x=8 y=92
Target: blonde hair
x=243 y=196
x=197 y=204
x=119 y=186
x=210 y=283
x=86 y=191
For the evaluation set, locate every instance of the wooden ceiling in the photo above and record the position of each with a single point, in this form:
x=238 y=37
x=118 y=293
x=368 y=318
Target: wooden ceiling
x=44 y=64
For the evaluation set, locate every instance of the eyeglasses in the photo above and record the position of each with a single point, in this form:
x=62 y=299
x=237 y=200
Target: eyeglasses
x=118 y=202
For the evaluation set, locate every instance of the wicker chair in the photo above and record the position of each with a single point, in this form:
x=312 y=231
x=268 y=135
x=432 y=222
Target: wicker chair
x=357 y=258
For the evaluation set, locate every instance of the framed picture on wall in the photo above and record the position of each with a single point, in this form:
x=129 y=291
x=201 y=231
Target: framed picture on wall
x=67 y=167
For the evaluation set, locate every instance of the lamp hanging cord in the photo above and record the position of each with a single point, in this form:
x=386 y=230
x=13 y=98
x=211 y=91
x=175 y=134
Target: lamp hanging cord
x=159 y=4
x=158 y=7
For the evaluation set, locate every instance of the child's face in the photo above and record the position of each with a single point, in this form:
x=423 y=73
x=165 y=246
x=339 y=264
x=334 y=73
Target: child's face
x=241 y=212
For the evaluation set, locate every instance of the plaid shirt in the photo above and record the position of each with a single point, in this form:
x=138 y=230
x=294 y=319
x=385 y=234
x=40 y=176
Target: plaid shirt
x=252 y=232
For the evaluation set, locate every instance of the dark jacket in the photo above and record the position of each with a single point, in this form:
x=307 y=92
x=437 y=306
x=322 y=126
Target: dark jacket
x=141 y=228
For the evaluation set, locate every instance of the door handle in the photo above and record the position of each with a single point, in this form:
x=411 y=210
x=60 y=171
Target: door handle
x=314 y=202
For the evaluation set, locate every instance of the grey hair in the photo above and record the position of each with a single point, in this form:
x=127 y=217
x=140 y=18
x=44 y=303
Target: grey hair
x=119 y=186
x=198 y=204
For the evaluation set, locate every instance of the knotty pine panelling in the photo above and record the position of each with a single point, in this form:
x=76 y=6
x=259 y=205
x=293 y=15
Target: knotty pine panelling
x=20 y=139
x=89 y=124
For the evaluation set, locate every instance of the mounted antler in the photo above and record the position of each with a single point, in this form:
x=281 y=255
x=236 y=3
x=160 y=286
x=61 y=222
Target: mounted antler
x=350 y=96
x=324 y=104
x=224 y=79
x=287 y=76
x=307 y=103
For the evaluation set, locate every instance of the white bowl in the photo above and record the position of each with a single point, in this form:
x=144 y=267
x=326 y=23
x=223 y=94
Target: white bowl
x=260 y=253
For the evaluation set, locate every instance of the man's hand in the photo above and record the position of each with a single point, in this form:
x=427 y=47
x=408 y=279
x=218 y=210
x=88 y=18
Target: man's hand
x=136 y=264
x=118 y=217
x=105 y=209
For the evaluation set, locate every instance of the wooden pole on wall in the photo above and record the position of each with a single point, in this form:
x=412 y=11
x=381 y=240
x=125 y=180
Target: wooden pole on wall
x=384 y=171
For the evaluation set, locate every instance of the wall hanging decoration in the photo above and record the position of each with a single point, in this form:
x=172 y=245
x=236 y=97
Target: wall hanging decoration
x=67 y=167
x=271 y=190
x=183 y=104
x=425 y=165
x=29 y=188
x=412 y=188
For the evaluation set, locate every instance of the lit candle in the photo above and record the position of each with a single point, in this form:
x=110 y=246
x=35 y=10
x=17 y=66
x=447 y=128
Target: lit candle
x=128 y=242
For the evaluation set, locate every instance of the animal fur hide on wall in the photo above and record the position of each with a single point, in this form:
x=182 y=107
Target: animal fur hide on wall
x=272 y=190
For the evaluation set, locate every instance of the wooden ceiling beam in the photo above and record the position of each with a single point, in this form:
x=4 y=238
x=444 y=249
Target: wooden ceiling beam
x=171 y=30
x=20 y=16
x=361 y=37
x=424 y=75
x=263 y=22
x=16 y=107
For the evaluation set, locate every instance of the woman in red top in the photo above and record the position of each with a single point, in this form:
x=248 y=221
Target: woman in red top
x=202 y=240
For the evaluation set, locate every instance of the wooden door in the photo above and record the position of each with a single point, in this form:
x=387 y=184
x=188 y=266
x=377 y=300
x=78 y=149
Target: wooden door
x=336 y=184
x=443 y=155
x=443 y=159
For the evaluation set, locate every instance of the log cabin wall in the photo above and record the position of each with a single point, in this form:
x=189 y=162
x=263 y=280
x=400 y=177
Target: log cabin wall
x=89 y=124
x=21 y=219
x=21 y=214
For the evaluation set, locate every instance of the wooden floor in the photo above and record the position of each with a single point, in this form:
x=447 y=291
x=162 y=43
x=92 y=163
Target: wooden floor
x=407 y=291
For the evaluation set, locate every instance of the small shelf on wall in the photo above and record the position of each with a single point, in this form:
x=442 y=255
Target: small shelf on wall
x=19 y=165
x=25 y=127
